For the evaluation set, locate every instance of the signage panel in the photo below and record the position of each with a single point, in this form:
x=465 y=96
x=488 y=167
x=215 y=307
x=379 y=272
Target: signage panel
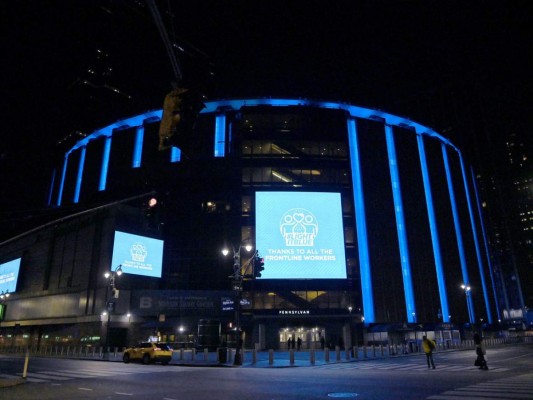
x=138 y=255
x=9 y=274
x=300 y=235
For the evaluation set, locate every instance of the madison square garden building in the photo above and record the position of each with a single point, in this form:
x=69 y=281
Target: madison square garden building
x=363 y=220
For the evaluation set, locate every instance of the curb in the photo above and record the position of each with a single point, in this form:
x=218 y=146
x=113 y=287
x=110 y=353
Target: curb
x=11 y=382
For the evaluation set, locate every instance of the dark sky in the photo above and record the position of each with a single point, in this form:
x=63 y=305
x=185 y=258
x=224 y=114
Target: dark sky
x=461 y=67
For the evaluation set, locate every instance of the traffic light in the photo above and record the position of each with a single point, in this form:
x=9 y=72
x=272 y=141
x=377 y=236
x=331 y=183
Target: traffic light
x=151 y=212
x=259 y=263
x=180 y=111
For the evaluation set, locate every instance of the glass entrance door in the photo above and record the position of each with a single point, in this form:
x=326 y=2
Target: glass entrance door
x=301 y=338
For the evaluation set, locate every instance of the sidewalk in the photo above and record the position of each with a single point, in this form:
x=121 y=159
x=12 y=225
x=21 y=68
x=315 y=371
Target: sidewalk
x=10 y=382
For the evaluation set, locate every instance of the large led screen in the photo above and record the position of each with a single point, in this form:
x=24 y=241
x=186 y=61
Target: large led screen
x=300 y=235
x=139 y=255
x=9 y=274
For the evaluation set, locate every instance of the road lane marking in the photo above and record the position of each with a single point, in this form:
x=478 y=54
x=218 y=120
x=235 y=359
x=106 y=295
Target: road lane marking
x=124 y=394
x=88 y=389
x=46 y=376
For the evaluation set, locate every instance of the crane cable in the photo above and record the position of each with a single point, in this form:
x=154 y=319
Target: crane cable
x=163 y=32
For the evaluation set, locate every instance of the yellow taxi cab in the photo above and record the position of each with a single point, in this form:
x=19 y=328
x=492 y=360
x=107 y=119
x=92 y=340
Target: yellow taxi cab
x=148 y=352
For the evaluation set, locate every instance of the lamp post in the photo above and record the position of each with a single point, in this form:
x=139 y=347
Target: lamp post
x=110 y=305
x=467 y=289
x=237 y=277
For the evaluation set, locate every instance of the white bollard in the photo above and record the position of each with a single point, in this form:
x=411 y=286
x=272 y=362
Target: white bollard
x=206 y=354
x=26 y=361
x=254 y=356
x=270 y=356
x=312 y=356
x=291 y=356
x=337 y=353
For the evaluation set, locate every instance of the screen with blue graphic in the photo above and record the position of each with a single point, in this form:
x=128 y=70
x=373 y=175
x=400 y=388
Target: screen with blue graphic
x=139 y=255
x=300 y=235
x=9 y=275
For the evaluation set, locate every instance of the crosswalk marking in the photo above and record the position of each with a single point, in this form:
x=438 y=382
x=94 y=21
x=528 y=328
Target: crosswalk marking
x=50 y=376
x=409 y=367
x=515 y=388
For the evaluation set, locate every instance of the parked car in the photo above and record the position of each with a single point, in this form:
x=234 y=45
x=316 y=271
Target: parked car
x=148 y=352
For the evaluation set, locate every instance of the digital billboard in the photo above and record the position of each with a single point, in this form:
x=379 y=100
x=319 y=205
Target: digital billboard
x=138 y=255
x=300 y=235
x=9 y=274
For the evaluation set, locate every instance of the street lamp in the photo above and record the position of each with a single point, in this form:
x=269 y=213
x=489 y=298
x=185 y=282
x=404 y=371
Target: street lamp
x=467 y=289
x=4 y=295
x=237 y=287
x=110 y=305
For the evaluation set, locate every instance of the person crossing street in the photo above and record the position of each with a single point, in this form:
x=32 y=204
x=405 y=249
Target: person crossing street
x=429 y=345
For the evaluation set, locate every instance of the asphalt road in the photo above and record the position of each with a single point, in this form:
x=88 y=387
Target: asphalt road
x=510 y=377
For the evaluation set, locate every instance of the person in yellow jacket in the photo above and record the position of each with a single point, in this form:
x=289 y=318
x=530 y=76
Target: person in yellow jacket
x=429 y=345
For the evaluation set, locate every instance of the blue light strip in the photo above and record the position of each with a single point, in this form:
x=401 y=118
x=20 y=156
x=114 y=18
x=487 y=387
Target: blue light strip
x=105 y=164
x=175 y=154
x=476 y=242
x=51 y=191
x=220 y=135
x=360 y=221
x=62 y=184
x=138 y=148
x=138 y=120
x=433 y=229
x=79 y=177
x=486 y=243
x=400 y=226
x=457 y=225
x=354 y=111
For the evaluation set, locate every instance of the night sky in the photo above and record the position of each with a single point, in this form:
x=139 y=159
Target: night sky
x=463 y=68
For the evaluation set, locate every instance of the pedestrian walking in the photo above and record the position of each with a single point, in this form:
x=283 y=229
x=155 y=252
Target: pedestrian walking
x=429 y=345
x=481 y=350
x=299 y=343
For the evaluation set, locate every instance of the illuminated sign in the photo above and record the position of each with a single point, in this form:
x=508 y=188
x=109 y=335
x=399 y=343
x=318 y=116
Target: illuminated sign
x=300 y=235
x=9 y=273
x=138 y=255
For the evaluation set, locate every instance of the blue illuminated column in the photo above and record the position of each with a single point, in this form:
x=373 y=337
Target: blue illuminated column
x=138 y=147
x=79 y=177
x=476 y=242
x=62 y=183
x=486 y=243
x=105 y=164
x=220 y=135
x=175 y=154
x=400 y=226
x=360 y=221
x=51 y=191
x=457 y=225
x=433 y=229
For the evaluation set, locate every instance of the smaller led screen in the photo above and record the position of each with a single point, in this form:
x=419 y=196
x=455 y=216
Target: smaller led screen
x=138 y=255
x=300 y=235
x=9 y=274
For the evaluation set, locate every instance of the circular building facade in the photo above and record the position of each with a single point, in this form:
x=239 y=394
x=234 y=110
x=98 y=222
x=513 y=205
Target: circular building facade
x=353 y=215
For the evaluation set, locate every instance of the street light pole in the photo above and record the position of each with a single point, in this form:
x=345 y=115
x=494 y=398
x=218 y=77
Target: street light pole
x=237 y=278
x=467 y=288
x=110 y=276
